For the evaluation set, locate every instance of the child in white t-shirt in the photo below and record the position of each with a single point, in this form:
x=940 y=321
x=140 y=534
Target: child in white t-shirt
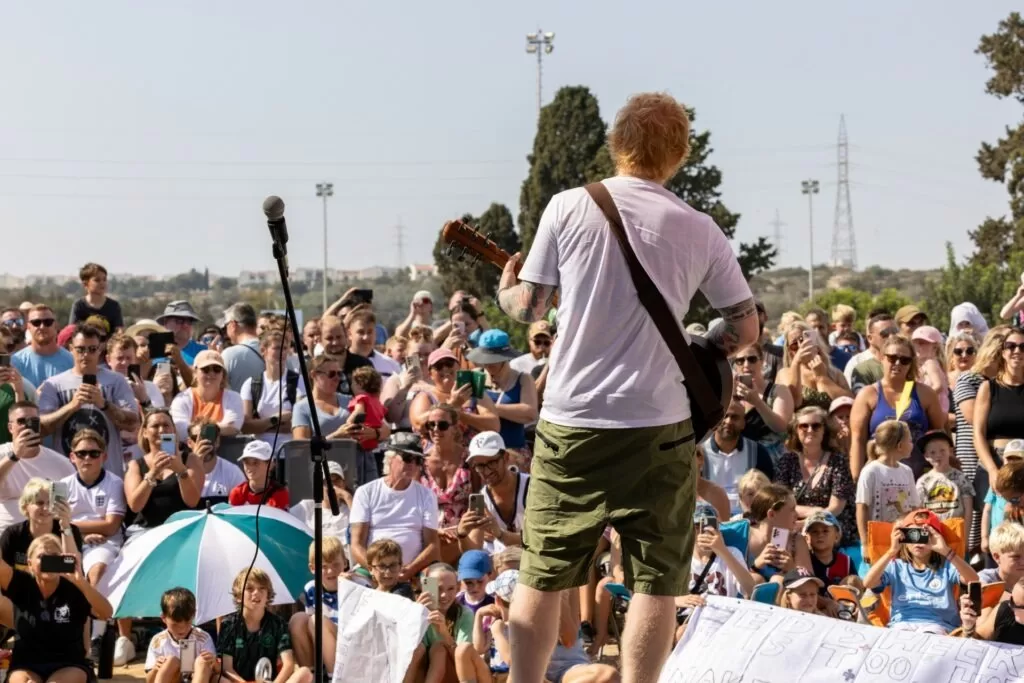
x=163 y=659
x=886 y=490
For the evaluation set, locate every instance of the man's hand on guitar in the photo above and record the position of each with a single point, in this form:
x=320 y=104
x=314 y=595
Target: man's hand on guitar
x=508 y=273
x=524 y=301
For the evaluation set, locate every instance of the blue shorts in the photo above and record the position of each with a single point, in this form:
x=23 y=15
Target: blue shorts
x=565 y=658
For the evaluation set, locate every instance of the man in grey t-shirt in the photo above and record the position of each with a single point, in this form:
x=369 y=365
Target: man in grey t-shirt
x=67 y=404
x=242 y=359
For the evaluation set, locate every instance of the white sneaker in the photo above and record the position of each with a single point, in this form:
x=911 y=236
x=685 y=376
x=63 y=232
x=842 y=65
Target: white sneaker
x=124 y=651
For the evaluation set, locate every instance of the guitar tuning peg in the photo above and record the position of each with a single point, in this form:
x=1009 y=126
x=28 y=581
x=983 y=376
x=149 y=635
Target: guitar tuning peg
x=465 y=252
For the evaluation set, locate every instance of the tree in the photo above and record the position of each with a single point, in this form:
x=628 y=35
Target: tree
x=569 y=134
x=477 y=276
x=987 y=286
x=1003 y=162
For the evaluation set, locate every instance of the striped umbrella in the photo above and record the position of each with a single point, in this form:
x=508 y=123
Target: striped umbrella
x=203 y=551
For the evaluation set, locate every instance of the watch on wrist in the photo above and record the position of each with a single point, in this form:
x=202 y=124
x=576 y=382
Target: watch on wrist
x=184 y=474
x=274 y=421
x=13 y=457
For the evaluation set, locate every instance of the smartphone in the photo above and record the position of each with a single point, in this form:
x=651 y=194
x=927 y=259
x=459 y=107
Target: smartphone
x=158 y=343
x=58 y=492
x=412 y=362
x=431 y=588
x=476 y=503
x=167 y=443
x=913 y=535
x=359 y=418
x=708 y=523
x=363 y=295
x=974 y=592
x=135 y=370
x=89 y=379
x=57 y=564
x=459 y=327
x=32 y=424
x=209 y=432
x=746 y=380
x=780 y=537
x=5 y=360
x=811 y=336
x=187 y=656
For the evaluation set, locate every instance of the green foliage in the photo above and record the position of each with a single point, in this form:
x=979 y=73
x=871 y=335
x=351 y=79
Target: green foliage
x=479 y=277
x=498 y=320
x=863 y=302
x=987 y=286
x=569 y=134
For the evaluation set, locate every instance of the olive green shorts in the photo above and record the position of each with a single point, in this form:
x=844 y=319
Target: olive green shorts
x=641 y=481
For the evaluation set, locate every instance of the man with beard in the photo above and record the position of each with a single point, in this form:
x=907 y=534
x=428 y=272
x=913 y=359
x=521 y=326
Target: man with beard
x=728 y=455
x=334 y=343
x=504 y=498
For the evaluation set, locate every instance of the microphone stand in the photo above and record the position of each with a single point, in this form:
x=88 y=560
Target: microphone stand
x=317 y=446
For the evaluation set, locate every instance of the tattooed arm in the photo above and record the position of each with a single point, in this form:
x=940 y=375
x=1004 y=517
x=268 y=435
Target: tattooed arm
x=739 y=327
x=523 y=301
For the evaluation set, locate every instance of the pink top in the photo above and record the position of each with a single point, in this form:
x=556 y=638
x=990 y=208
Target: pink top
x=454 y=500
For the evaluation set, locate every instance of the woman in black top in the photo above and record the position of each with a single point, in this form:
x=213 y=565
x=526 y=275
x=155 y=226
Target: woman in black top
x=159 y=484
x=34 y=504
x=769 y=405
x=1003 y=623
x=49 y=613
x=999 y=407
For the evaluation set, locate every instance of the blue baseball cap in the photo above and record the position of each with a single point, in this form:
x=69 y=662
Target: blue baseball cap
x=474 y=565
x=493 y=347
x=821 y=517
x=703 y=511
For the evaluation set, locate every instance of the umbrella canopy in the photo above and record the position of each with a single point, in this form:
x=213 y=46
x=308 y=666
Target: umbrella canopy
x=204 y=551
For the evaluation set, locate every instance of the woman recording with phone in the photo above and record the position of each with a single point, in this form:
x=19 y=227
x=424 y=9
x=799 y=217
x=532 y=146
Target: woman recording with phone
x=768 y=405
x=49 y=612
x=807 y=368
x=41 y=518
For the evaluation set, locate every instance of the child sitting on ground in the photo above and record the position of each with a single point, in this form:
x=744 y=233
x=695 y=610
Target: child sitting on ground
x=301 y=625
x=385 y=559
x=475 y=572
x=366 y=409
x=1006 y=544
x=252 y=634
x=163 y=660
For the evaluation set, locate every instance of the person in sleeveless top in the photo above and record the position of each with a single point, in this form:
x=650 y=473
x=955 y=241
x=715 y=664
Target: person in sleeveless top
x=807 y=368
x=768 y=405
x=1000 y=405
x=917 y=404
x=615 y=442
x=504 y=492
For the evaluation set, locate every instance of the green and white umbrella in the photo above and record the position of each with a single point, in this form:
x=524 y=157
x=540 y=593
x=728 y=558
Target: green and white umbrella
x=204 y=551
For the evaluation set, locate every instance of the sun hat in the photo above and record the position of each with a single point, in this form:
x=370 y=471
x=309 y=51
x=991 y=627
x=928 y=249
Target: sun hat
x=505 y=585
x=178 y=309
x=493 y=347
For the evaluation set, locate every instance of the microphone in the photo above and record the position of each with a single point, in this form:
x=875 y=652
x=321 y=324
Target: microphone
x=273 y=207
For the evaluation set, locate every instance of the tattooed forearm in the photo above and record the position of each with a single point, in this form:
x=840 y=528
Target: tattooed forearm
x=738 y=311
x=727 y=335
x=526 y=302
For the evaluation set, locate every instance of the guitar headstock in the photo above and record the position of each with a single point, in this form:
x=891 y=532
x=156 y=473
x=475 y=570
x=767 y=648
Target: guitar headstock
x=463 y=239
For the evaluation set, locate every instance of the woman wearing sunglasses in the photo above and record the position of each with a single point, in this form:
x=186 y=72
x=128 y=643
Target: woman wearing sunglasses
x=894 y=397
x=445 y=474
x=999 y=406
x=331 y=405
x=768 y=405
x=208 y=397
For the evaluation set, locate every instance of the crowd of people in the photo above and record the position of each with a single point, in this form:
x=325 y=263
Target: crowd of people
x=834 y=432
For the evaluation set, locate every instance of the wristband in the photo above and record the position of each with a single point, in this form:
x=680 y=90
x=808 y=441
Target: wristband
x=950 y=554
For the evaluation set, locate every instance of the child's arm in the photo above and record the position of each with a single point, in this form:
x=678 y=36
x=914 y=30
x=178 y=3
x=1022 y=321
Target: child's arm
x=986 y=521
x=968 y=503
x=481 y=638
x=738 y=569
x=873 y=579
x=862 y=529
x=228 y=669
x=501 y=643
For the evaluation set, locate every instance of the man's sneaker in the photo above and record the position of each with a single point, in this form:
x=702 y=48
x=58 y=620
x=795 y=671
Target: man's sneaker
x=588 y=632
x=124 y=651
x=95 y=648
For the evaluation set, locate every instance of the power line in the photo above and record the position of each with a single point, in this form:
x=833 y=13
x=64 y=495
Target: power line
x=777 y=226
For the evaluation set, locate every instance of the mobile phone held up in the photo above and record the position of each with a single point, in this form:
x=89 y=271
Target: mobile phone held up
x=708 y=523
x=974 y=592
x=476 y=503
x=433 y=589
x=135 y=371
x=780 y=538
x=167 y=444
x=89 y=379
x=57 y=564
x=209 y=432
x=158 y=343
x=5 y=360
x=363 y=295
x=58 y=493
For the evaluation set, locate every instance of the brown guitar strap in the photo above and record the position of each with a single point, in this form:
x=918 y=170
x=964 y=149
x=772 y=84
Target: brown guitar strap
x=694 y=378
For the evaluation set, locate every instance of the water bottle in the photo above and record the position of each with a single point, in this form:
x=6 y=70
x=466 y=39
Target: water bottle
x=264 y=672
x=105 y=667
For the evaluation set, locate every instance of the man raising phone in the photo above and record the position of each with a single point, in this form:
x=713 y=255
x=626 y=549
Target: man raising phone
x=615 y=443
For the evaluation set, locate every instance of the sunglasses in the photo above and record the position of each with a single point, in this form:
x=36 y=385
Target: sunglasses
x=746 y=360
x=42 y=322
x=91 y=348
x=478 y=464
x=541 y=341
x=969 y=351
x=885 y=334
x=1012 y=347
x=897 y=359
x=412 y=457
x=13 y=322
x=331 y=374
x=211 y=370
x=811 y=426
x=91 y=454
x=440 y=425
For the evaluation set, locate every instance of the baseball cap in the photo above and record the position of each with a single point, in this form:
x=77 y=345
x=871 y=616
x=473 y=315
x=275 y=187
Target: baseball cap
x=841 y=402
x=335 y=468
x=821 y=517
x=257 y=450
x=703 y=511
x=438 y=355
x=505 y=585
x=908 y=313
x=795 y=578
x=206 y=358
x=934 y=434
x=927 y=333
x=65 y=335
x=540 y=327
x=474 y=565
x=423 y=295
x=1014 y=447
x=485 y=444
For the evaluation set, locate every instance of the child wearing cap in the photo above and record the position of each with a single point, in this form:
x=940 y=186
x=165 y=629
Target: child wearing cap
x=474 y=572
x=259 y=486
x=801 y=591
x=921 y=576
x=944 y=490
x=831 y=566
x=1009 y=485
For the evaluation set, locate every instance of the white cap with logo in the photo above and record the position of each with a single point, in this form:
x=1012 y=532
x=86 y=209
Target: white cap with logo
x=486 y=445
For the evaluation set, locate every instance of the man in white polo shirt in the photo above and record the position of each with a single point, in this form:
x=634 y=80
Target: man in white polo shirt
x=25 y=458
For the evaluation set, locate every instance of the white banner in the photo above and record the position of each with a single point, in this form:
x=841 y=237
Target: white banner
x=730 y=640
x=377 y=634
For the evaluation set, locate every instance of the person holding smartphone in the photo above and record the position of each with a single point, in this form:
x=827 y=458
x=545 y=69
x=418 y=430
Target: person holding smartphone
x=49 y=612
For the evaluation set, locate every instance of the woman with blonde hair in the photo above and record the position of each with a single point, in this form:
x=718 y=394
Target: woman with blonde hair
x=787 y=319
x=896 y=396
x=807 y=368
x=209 y=396
x=965 y=392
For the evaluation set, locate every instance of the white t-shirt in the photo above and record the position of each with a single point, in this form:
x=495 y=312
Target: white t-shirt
x=182 y=409
x=336 y=526
x=610 y=368
x=852 y=364
x=94 y=503
x=269 y=403
x=889 y=492
x=398 y=515
x=49 y=464
x=163 y=645
x=384 y=365
x=719 y=580
x=224 y=477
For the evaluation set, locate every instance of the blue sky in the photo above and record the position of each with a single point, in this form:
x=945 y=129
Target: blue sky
x=145 y=135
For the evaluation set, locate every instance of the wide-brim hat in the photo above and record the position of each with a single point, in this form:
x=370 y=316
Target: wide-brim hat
x=144 y=326
x=493 y=347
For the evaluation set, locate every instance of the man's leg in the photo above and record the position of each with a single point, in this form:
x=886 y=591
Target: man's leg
x=533 y=629
x=647 y=639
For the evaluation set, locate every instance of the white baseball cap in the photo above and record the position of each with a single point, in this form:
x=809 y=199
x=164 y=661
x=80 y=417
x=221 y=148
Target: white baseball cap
x=486 y=444
x=423 y=295
x=257 y=450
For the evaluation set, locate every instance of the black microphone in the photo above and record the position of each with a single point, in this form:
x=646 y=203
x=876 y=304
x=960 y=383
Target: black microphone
x=273 y=207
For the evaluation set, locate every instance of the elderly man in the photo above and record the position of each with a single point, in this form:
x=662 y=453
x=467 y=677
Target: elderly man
x=398 y=507
x=242 y=359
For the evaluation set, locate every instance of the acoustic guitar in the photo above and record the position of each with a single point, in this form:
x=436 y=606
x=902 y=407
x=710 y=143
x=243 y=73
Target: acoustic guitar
x=465 y=241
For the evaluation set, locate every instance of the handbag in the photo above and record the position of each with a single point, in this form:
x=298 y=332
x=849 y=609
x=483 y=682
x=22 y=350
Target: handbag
x=707 y=375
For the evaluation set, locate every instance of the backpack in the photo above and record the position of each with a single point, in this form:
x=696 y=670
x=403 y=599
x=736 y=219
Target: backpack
x=291 y=390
